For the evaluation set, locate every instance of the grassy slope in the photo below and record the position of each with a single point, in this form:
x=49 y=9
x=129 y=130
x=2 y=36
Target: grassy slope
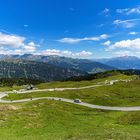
x=55 y=120
x=66 y=84
x=119 y=94
x=81 y=83
x=6 y=88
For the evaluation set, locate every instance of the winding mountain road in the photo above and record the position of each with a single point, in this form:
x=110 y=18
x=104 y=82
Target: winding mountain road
x=63 y=89
x=137 y=108
x=72 y=101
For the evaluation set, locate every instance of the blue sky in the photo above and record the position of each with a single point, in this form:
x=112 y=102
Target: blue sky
x=73 y=28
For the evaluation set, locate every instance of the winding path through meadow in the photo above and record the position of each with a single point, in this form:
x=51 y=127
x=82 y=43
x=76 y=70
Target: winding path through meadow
x=137 y=108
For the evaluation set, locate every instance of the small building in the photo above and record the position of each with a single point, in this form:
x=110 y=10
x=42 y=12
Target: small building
x=30 y=87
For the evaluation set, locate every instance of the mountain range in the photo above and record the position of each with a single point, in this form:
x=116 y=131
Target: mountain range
x=35 y=70
x=53 y=68
x=85 y=65
x=125 y=62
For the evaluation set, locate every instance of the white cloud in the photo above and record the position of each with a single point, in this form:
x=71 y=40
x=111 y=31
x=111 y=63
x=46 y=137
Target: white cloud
x=14 y=44
x=133 y=33
x=76 y=40
x=11 y=52
x=11 y=40
x=69 y=40
x=105 y=12
x=128 y=11
x=49 y=52
x=17 y=51
x=129 y=44
x=83 y=54
x=126 y=23
x=66 y=53
x=107 y=43
x=29 y=48
x=124 y=53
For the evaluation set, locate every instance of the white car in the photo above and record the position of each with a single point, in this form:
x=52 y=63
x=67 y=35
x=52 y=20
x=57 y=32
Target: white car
x=77 y=101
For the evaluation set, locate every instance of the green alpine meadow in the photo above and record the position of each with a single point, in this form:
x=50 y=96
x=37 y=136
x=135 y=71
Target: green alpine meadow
x=69 y=70
x=57 y=119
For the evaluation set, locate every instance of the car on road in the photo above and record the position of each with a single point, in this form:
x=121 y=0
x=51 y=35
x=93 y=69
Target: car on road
x=77 y=101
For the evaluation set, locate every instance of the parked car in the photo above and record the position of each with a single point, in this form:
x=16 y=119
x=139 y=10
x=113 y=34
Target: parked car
x=77 y=101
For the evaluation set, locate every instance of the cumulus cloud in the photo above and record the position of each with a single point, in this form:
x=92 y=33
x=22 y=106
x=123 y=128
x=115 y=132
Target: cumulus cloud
x=126 y=23
x=76 y=40
x=14 y=44
x=49 y=52
x=128 y=11
x=31 y=47
x=107 y=43
x=11 y=52
x=124 y=53
x=66 y=53
x=133 y=33
x=15 y=51
x=129 y=44
x=83 y=54
x=11 y=40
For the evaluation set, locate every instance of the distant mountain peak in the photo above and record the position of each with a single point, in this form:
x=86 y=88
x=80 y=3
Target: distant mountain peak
x=128 y=57
x=123 y=62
